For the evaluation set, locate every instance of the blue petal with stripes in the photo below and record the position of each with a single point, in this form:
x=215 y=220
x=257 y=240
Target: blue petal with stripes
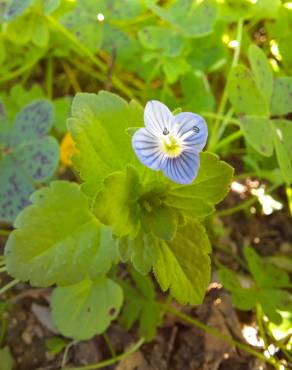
x=171 y=143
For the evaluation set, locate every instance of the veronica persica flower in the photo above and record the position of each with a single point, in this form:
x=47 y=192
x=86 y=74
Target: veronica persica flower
x=171 y=143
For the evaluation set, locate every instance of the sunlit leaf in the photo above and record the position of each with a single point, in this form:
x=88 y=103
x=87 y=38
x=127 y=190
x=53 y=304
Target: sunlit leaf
x=262 y=71
x=282 y=96
x=183 y=265
x=98 y=128
x=191 y=19
x=58 y=240
x=244 y=94
x=258 y=132
x=116 y=204
x=265 y=274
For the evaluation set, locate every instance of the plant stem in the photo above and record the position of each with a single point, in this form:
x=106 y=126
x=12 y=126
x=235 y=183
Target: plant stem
x=229 y=139
x=84 y=51
x=220 y=117
x=71 y=77
x=110 y=346
x=22 y=69
x=65 y=354
x=8 y=286
x=218 y=334
x=259 y=315
x=289 y=198
x=111 y=361
x=221 y=109
x=49 y=77
x=249 y=202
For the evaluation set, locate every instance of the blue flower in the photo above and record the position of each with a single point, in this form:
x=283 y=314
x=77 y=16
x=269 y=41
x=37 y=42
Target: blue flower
x=171 y=143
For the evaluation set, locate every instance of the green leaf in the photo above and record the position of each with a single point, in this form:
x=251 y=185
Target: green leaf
x=20 y=30
x=211 y=184
x=174 y=67
x=85 y=309
x=58 y=240
x=144 y=284
x=274 y=300
x=197 y=96
x=98 y=127
x=266 y=8
x=244 y=94
x=161 y=220
x=183 y=265
x=50 y=6
x=62 y=112
x=82 y=22
x=18 y=97
x=164 y=40
x=141 y=251
x=258 y=133
x=234 y=10
x=207 y=53
x=265 y=274
x=190 y=206
x=6 y=360
x=29 y=157
x=191 y=19
x=40 y=35
x=262 y=71
x=15 y=8
x=33 y=121
x=282 y=96
x=55 y=345
x=282 y=147
x=242 y=298
x=141 y=306
x=116 y=204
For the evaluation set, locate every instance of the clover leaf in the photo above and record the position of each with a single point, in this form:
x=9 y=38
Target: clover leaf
x=256 y=98
x=27 y=156
x=192 y=20
x=15 y=8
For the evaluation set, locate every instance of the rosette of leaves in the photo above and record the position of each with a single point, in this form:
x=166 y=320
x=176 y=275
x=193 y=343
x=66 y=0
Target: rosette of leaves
x=267 y=288
x=28 y=156
x=72 y=235
x=262 y=103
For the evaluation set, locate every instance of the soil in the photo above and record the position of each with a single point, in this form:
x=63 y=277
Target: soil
x=177 y=345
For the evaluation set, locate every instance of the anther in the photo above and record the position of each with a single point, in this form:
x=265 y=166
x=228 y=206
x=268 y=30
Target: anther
x=165 y=131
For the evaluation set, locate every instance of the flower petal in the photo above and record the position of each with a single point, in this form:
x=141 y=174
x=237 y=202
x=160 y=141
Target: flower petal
x=157 y=117
x=182 y=169
x=193 y=129
x=147 y=149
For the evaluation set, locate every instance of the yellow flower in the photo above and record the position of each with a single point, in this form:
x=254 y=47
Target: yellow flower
x=68 y=148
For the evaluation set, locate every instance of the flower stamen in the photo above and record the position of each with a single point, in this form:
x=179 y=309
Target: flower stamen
x=171 y=146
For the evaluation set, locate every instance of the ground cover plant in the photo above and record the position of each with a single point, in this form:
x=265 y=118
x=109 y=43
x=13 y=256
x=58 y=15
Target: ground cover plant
x=145 y=184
